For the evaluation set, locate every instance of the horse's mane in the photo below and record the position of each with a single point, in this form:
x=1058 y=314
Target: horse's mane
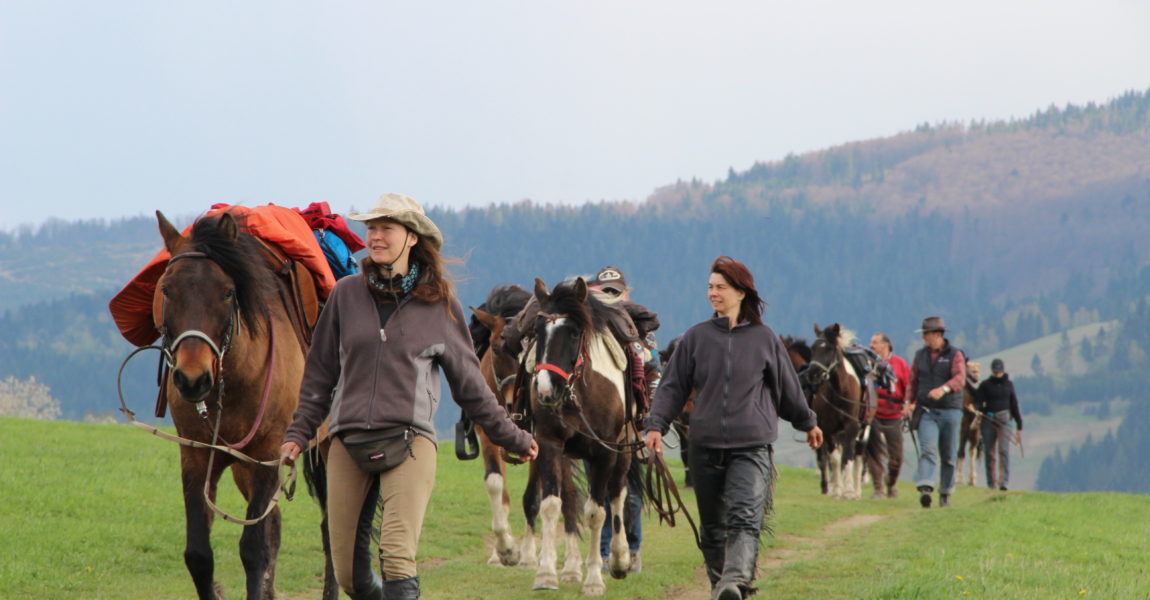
x=589 y=314
x=241 y=259
x=504 y=301
x=798 y=346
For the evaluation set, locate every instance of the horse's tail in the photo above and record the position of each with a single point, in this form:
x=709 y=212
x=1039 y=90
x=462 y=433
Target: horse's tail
x=315 y=474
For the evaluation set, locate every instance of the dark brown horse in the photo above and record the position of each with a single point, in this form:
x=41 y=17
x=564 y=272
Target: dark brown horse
x=577 y=404
x=839 y=402
x=682 y=423
x=800 y=354
x=235 y=368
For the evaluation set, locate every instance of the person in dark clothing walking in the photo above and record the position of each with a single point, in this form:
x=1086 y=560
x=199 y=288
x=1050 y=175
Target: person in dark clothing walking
x=997 y=403
x=934 y=401
x=745 y=383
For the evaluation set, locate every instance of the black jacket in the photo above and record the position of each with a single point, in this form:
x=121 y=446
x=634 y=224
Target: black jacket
x=997 y=394
x=745 y=382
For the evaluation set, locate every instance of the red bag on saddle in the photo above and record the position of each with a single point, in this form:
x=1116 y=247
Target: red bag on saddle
x=277 y=225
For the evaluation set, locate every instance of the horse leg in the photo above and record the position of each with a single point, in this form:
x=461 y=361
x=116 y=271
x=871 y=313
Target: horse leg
x=572 y=561
x=315 y=472
x=198 y=555
x=822 y=460
x=595 y=514
x=259 y=543
x=546 y=577
x=528 y=555
x=495 y=481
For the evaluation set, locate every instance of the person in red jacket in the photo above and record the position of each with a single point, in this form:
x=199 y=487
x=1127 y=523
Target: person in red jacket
x=885 y=440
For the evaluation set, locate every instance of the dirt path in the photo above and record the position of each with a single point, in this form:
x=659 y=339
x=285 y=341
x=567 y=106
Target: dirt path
x=797 y=548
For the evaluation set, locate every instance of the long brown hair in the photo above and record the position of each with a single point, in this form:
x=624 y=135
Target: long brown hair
x=739 y=276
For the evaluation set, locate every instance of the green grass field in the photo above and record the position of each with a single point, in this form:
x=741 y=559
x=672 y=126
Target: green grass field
x=95 y=512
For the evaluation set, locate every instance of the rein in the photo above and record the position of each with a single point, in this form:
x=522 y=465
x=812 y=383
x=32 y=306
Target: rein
x=664 y=495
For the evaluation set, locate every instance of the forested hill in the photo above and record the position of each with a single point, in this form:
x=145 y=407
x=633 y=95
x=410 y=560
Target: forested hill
x=1011 y=231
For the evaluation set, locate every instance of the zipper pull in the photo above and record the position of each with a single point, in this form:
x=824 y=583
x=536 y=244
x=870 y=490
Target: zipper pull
x=382 y=335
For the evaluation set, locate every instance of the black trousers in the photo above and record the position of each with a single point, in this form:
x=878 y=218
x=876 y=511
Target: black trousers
x=734 y=490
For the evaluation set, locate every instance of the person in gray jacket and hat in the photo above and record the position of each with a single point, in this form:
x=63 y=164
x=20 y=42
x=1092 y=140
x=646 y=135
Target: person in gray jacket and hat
x=934 y=401
x=373 y=371
x=745 y=383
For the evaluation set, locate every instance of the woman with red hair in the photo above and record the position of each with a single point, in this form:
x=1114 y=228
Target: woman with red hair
x=745 y=383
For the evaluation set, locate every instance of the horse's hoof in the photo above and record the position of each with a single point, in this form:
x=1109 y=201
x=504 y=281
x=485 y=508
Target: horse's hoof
x=594 y=589
x=570 y=577
x=509 y=558
x=546 y=582
x=620 y=574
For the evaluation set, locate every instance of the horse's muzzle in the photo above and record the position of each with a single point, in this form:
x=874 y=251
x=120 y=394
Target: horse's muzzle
x=193 y=389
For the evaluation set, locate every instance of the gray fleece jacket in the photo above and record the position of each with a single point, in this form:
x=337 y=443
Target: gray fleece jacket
x=367 y=378
x=745 y=382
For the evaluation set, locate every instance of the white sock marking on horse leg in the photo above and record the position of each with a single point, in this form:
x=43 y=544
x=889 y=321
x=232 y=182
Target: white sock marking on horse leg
x=500 y=526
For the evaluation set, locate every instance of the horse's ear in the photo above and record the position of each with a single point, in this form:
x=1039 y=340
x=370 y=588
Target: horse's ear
x=833 y=331
x=818 y=331
x=169 y=232
x=485 y=317
x=229 y=227
x=541 y=291
x=581 y=289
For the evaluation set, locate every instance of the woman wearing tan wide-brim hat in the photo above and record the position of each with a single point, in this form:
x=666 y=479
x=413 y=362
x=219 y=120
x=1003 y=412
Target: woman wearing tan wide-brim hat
x=373 y=370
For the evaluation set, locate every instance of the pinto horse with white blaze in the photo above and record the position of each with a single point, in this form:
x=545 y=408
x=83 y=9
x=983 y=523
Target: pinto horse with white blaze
x=839 y=401
x=577 y=403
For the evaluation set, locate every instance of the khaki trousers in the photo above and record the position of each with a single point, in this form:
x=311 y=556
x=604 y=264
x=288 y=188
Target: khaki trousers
x=404 y=492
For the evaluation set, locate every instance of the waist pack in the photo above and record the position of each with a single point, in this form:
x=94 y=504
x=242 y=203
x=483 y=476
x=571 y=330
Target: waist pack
x=379 y=450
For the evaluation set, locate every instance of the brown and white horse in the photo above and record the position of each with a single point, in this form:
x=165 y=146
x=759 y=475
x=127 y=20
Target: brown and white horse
x=577 y=404
x=839 y=402
x=970 y=435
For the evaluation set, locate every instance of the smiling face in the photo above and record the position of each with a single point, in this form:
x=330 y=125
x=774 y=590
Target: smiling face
x=388 y=242
x=724 y=297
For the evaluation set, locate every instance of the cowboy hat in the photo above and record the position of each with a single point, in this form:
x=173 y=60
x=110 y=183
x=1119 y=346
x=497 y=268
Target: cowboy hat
x=932 y=324
x=405 y=211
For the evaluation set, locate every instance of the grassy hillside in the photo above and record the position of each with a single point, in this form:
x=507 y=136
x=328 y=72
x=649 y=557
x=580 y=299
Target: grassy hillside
x=97 y=514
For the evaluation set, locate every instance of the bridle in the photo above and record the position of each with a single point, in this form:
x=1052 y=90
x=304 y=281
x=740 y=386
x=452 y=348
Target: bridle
x=569 y=377
x=218 y=350
x=286 y=486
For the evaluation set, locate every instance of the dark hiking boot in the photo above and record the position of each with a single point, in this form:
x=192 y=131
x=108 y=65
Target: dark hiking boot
x=741 y=554
x=401 y=589
x=943 y=500
x=924 y=498
x=1002 y=488
x=731 y=591
x=372 y=591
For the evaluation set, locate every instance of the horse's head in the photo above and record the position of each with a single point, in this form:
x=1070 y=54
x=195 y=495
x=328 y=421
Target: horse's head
x=503 y=364
x=827 y=364
x=210 y=284
x=564 y=319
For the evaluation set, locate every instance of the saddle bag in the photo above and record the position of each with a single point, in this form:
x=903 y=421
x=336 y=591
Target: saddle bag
x=379 y=450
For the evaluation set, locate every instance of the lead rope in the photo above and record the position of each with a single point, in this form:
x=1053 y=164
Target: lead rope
x=285 y=487
x=664 y=494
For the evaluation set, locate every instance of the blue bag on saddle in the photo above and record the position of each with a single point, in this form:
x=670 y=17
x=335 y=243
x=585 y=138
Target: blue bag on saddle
x=336 y=252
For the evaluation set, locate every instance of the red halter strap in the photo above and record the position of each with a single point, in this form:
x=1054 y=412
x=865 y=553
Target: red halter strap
x=567 y=377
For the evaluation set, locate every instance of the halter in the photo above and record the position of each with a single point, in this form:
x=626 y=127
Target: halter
x=569 y=378
x=577 y=370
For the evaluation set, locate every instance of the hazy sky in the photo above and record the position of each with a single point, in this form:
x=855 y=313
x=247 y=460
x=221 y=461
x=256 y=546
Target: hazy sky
x=120 y=108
